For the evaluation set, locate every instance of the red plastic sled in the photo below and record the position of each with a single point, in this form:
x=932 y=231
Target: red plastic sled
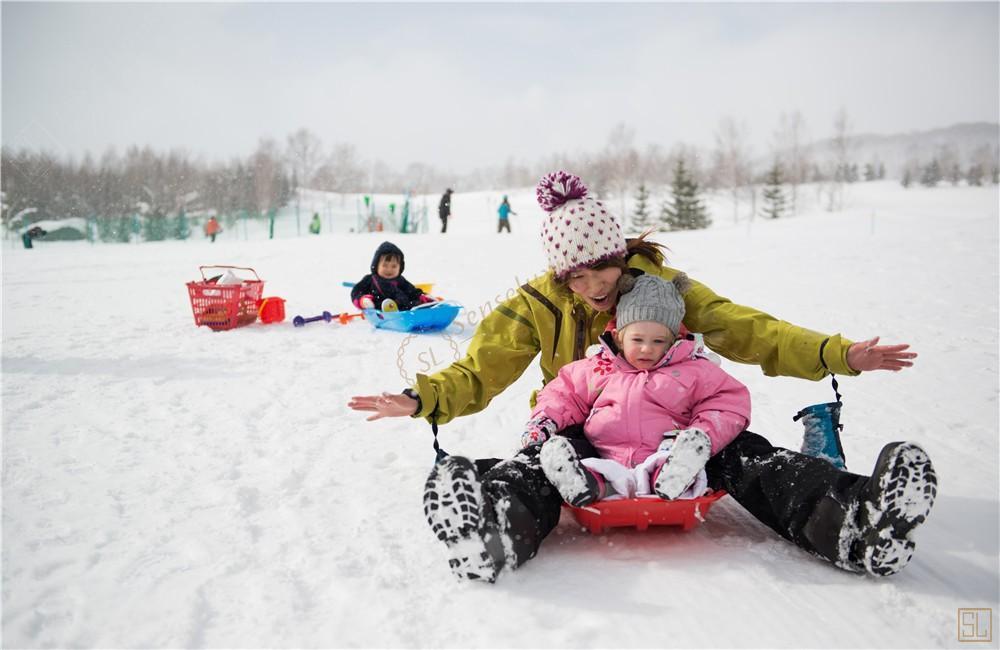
x=642 y=513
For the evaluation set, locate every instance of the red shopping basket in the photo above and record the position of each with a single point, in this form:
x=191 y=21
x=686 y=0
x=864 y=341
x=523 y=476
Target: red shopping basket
x=225 y=306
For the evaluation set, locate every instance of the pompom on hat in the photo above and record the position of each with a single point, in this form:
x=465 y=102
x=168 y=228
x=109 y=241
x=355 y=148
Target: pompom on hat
x=578 y=231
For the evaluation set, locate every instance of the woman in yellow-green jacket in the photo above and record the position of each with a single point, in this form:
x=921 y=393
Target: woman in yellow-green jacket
x=493 y=514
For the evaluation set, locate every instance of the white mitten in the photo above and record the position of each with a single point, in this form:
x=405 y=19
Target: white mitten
x=689 y=452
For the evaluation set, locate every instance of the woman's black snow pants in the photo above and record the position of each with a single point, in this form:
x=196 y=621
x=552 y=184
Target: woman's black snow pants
x=802 y=498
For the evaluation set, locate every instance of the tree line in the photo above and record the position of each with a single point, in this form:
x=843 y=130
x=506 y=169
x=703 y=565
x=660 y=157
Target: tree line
x=115 y=189
x=946 y=167
x=155 y=191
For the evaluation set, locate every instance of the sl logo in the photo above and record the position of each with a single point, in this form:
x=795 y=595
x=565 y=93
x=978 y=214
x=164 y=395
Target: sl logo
x=430 y=354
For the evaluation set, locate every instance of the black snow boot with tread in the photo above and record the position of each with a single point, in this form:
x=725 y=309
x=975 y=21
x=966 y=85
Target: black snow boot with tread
x=896 y=499
x=462 y=516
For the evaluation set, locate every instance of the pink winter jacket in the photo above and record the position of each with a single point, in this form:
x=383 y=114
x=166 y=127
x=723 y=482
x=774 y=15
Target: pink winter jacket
x=626 y=411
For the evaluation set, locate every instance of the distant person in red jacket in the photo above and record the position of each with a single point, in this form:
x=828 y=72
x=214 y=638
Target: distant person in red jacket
x=212 y=228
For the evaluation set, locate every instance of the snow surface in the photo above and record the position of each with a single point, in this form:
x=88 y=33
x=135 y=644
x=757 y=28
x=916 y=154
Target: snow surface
x=167 y=486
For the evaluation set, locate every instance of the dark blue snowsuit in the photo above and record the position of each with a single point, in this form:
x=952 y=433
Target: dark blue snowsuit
x=398 y=288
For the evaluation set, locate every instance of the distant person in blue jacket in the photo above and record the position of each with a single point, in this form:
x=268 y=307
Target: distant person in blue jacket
x=504 y=211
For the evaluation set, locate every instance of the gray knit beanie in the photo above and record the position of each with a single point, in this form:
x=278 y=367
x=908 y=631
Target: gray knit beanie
x=652 y=298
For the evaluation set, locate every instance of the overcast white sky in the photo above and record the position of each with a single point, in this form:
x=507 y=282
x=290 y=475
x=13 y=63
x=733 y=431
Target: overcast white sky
x=463 y=85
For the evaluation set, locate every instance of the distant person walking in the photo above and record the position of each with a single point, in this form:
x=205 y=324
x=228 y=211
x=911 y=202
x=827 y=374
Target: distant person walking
x=33 y=233
x=315 y=224
x=444 y=209
x=212 y=228
x=504 y=211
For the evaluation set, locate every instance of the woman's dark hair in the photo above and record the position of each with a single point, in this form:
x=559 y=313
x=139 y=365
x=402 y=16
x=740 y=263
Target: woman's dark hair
x=652 y=251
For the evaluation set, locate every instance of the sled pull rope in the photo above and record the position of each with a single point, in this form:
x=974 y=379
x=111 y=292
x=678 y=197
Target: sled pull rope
x=833 y=377
x=840 y=427
x=439 y=453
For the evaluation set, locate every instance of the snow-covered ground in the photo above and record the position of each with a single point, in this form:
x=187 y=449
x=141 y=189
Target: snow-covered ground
x=167 y=486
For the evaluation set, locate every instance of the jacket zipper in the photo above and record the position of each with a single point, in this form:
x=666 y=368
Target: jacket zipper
x=635 y=421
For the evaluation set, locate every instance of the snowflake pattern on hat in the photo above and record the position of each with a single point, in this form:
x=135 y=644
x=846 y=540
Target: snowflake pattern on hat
x=578 y=231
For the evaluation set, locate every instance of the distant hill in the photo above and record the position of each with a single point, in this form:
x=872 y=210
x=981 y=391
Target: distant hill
x=978 y=141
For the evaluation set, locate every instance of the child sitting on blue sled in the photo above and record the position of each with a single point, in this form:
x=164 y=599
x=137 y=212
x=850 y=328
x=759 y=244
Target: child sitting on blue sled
x=653 y=406
x=385 y=287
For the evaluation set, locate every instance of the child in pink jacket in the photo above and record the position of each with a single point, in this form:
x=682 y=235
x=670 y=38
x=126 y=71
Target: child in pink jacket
x=653 y=406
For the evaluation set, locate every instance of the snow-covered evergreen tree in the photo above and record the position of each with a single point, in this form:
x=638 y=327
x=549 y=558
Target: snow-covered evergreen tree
x=774 y=195
x=642 y=220
x=181 y=227
x=955 y=173
x=684 y=210
x=155 y=226
x=975 y=174
x=932 y=174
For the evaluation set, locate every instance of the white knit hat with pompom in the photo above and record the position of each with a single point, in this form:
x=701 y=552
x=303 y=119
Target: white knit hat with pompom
x=578 y=231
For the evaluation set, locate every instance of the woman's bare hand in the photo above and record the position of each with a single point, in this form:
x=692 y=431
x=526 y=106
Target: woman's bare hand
x=386 y=405
x=868 y=355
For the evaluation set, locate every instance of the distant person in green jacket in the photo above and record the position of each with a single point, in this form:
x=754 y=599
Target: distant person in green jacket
x=314 y=225
x=31 y=234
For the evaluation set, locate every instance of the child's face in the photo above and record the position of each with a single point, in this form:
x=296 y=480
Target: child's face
x=388 y=267
x=644 y=343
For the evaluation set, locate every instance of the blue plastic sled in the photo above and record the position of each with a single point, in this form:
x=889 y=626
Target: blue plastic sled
x=429 y=317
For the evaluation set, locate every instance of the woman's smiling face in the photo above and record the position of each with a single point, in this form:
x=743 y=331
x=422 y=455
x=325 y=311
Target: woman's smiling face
x=599 y=289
